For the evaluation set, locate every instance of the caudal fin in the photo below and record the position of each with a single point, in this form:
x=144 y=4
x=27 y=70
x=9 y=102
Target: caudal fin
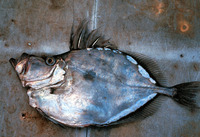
x=186 y=94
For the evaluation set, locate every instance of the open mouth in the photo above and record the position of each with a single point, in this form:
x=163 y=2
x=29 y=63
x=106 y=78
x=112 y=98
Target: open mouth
x=15 y=61
x=20 y=64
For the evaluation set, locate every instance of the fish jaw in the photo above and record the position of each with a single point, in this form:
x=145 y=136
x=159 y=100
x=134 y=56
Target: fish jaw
x=55 y=80
x=20 y=64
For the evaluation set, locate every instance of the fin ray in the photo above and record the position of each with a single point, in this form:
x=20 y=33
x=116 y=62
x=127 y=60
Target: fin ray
x=84 y=38
x=145 y=111
x=186 y=93
x=151 y=66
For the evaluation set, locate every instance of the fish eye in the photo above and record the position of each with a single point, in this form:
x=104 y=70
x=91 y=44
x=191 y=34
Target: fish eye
x=50 y=61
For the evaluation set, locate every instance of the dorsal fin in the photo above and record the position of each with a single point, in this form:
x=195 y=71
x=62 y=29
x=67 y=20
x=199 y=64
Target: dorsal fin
x=84 y=38
x=151 y=66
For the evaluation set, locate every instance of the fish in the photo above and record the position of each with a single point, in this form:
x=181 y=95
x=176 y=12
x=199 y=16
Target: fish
x=95 y=84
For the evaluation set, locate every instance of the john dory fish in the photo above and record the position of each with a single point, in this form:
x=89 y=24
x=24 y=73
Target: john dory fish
x=95 y=84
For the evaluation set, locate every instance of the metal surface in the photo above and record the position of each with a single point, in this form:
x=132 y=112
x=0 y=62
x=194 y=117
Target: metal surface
x=168 y=31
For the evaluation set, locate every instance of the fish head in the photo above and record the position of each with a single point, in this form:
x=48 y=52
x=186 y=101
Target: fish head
x=39 y=72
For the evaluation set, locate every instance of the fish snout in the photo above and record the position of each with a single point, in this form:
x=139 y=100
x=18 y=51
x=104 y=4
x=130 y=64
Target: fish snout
x=20 y=64
x=13 y=62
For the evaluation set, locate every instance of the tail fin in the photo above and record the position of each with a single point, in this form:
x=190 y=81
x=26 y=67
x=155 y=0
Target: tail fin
x=186 y=94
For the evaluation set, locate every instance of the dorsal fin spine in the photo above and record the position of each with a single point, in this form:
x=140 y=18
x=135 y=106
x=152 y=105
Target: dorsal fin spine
x=83 y=38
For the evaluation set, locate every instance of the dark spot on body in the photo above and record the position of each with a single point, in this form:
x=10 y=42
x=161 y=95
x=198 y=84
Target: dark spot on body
x=6 y=45
x=89 y=75
x=105 y=98
x=181 y=56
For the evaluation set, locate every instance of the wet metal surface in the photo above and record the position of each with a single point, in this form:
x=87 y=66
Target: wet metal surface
x=168 y=31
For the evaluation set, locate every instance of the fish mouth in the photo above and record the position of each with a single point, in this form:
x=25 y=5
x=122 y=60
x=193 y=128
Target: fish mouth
x=14 y=62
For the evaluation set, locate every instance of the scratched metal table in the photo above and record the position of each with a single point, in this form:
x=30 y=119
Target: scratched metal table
x=168 y=31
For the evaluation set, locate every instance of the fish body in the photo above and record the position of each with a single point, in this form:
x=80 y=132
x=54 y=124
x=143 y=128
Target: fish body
x=93 y=84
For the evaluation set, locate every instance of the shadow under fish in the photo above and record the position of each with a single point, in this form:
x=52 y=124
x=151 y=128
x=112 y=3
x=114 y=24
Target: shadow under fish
x=96 y=84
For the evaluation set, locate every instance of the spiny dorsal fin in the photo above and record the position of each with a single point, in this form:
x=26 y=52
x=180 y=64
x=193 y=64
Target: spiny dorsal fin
x=76 y=39
x=151 y=66
x=84 y=38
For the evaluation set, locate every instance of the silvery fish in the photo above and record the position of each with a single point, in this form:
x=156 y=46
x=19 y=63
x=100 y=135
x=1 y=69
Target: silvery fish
x=96 y=84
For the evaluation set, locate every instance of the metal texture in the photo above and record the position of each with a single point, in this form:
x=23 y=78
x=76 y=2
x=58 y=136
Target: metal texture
x=168 y=31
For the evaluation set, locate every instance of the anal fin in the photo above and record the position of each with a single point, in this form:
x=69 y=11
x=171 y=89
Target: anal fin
x=49 y=118
x=145 y=111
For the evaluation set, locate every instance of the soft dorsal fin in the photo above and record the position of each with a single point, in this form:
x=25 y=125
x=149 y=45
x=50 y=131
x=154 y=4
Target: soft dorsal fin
x=83 y=38
x=151 y=66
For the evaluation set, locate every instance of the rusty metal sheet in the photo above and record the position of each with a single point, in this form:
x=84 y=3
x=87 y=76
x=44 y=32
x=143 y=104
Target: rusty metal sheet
x=168 y=31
